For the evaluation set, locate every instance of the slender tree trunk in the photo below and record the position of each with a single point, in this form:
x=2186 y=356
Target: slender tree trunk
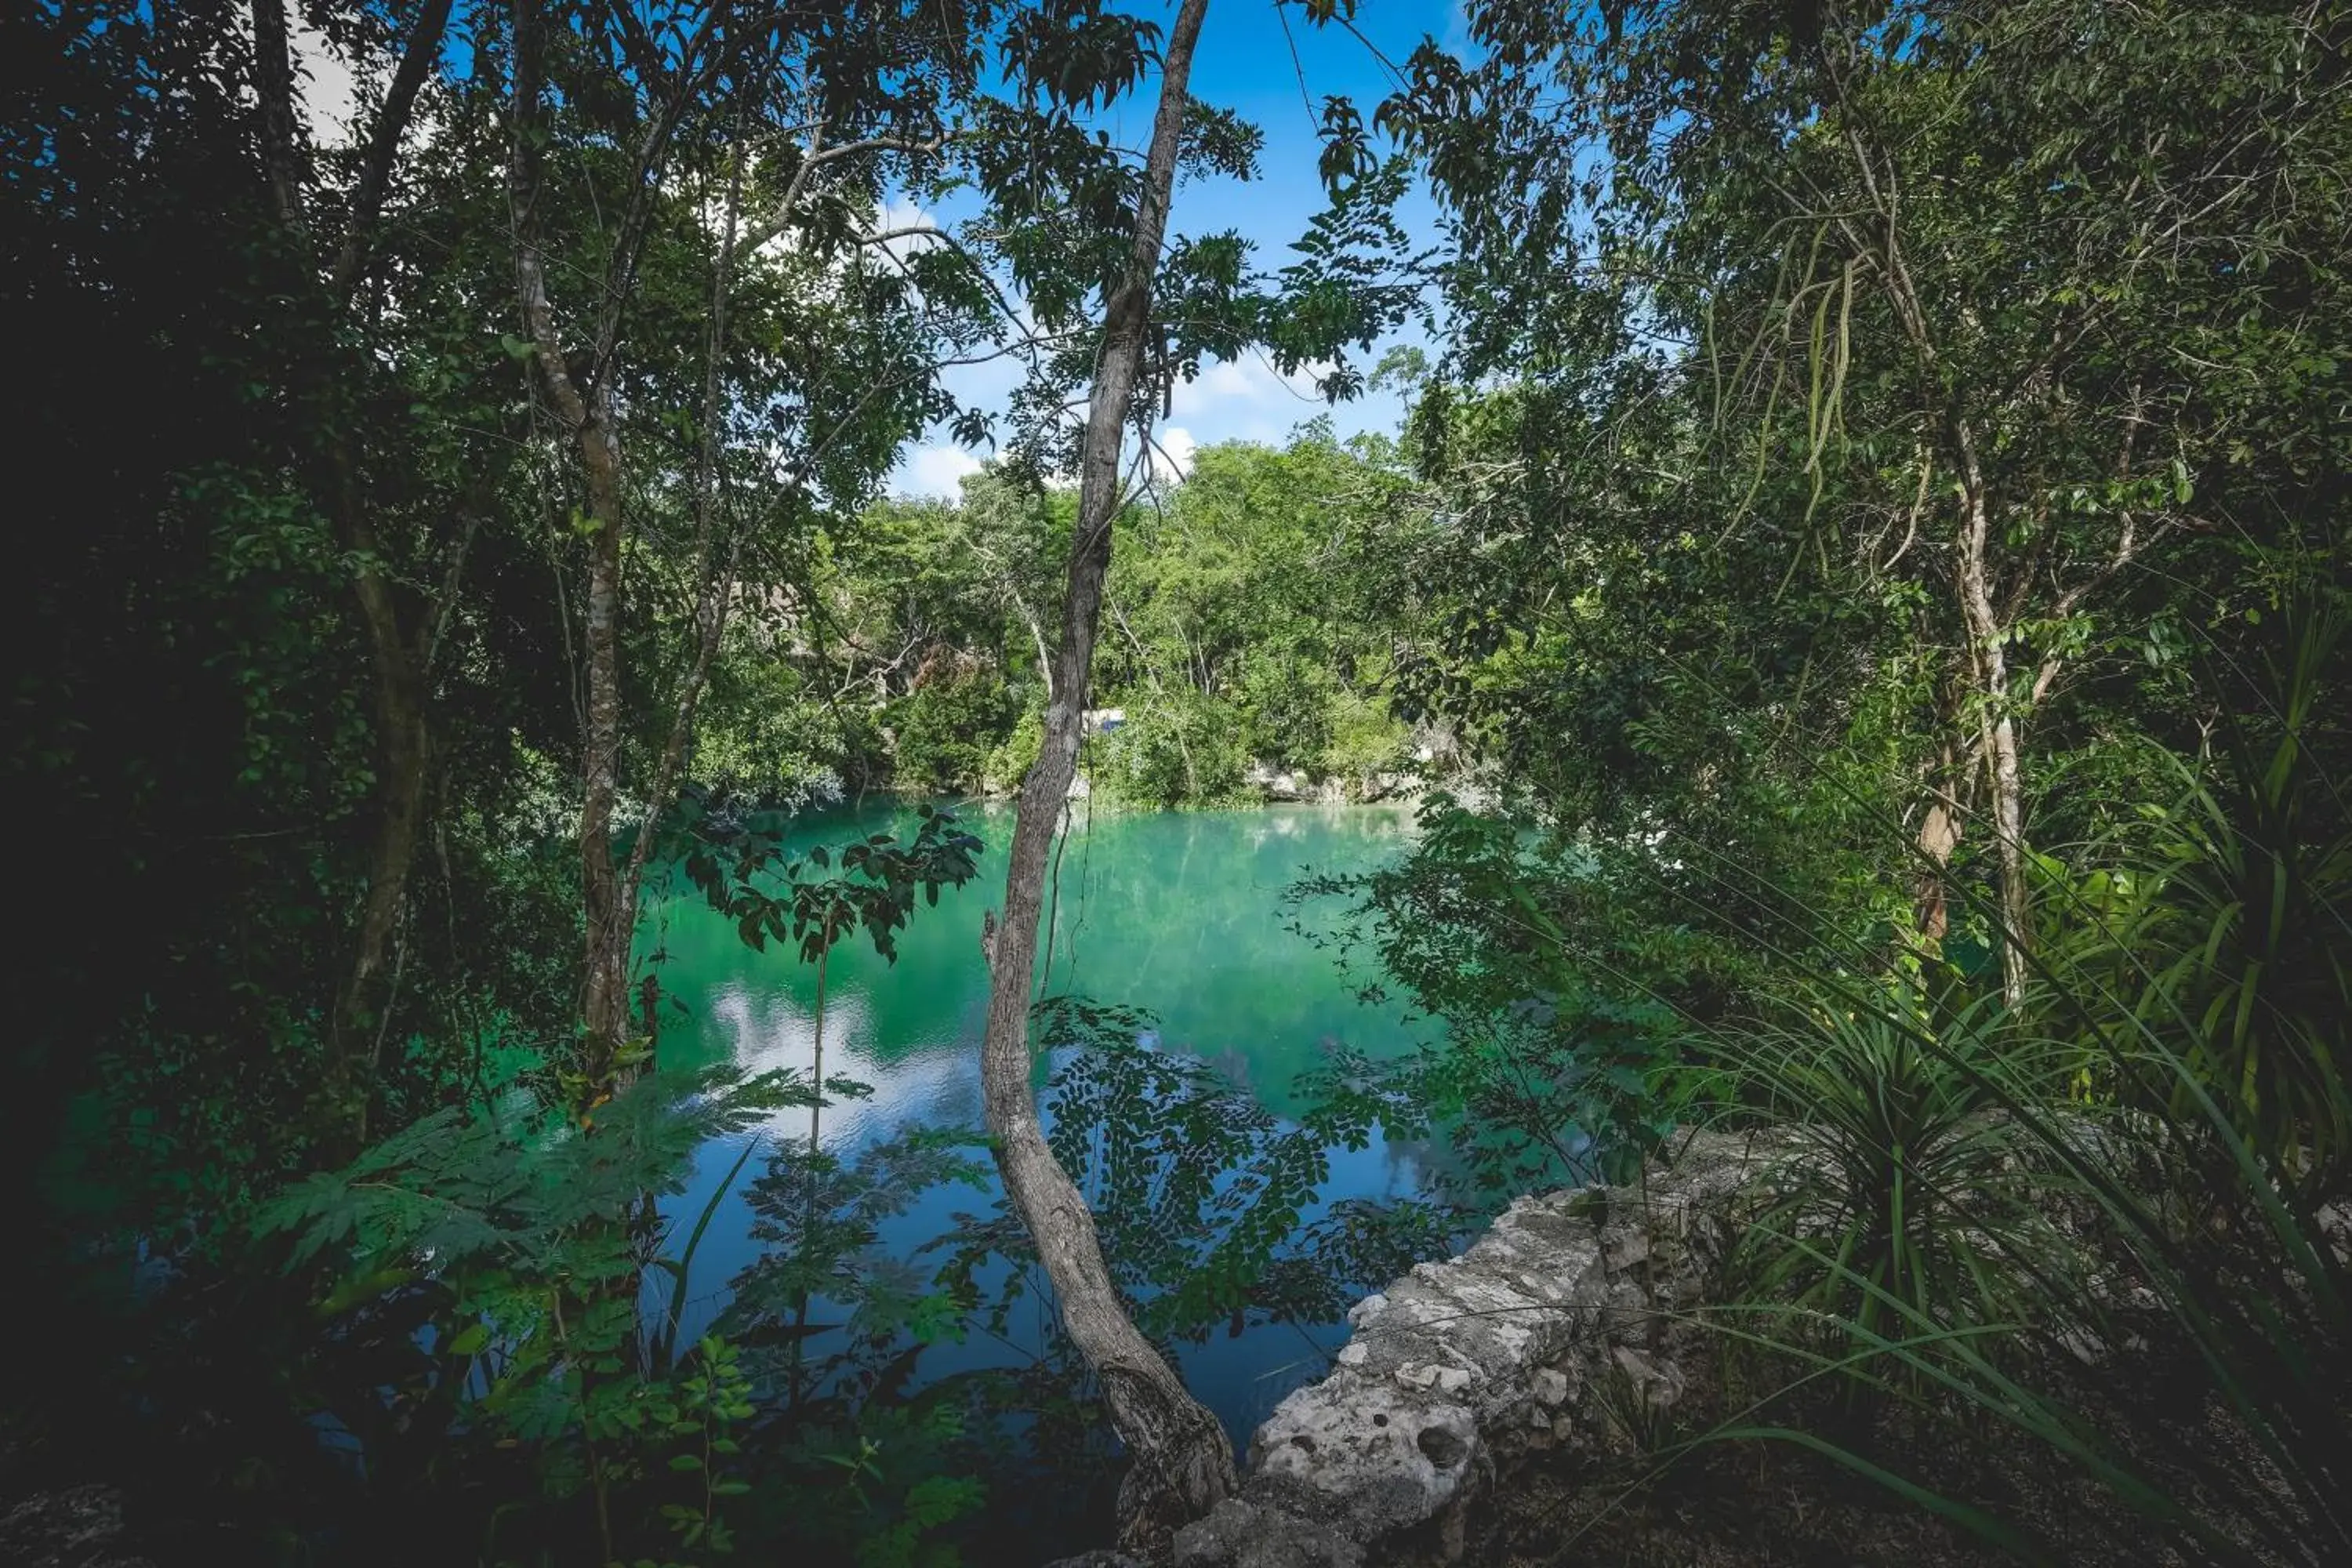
x=273 y=81
x=1952 y=796
x=1988 y=661
x=404 y=765
x=714 y=566
x=609 y=892
x=1972 y=586
x=605 y=901
x=404 y=750
x=1181 y=1462
x=608 y=901
x=419 y=57
x=1037 y=635
x=816 y=1062
x=817 y=1145
x=1939 y=834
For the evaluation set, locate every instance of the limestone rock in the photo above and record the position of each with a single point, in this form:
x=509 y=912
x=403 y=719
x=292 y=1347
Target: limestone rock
x=1459 y=1367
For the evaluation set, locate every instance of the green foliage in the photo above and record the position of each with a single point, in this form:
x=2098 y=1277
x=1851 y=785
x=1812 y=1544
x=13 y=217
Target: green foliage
x=712 y=1397
x=767 y=739
x=1254 y=609
x=819 y=1218
x=1822 y=396
x=1173 y=750
x=1289 y=705
x=833 y=1327
x=1363 y=741
x=1903 y=1179
x=2093 y=1226
x=737 y=864
x=1016 y=755
x=1562 y=1056
x=1803 y=521
x=1198 y=1182
x=528 y=1239
x=1206 y=1202
x=526 y=1235
x=1250 y=617
x=2221 y=924
x=2128 y=1286
x=888 y=1531
x=949 y=733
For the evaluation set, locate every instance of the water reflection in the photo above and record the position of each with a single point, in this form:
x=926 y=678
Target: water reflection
x=1178 y=914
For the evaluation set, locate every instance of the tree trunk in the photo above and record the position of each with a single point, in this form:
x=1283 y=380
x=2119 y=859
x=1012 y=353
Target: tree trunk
x=1939 y=834
x=585 y=408
x=1988 y=661
x=1972 y=585
x=402 y=737
x=1951 y=795
x=606 y=898
x=403 y=747
x=1182 y=1465
x=273 y=81
x=609 y=893
x=404 y=760
x=1037 y=635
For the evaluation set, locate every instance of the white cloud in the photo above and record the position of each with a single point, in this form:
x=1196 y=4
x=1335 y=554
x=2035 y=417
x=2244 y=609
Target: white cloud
x=1249 y=398
x=1223 y=381
x=774 y=1031
x=1171 y=453
x=936 y=471
x=323 y=79
x=897 y=215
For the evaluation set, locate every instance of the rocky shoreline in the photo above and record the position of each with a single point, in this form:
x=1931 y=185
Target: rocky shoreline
x=1531 y=1342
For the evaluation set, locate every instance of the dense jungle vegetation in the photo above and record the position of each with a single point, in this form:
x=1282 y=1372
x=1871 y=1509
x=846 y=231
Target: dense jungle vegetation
x=1253 y=613
x=1857 y=597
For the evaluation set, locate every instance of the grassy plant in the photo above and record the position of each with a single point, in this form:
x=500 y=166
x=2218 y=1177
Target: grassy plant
x=2226 y=927
x=2186 y=1353
x=2204 y=1391
x=1903 y=1179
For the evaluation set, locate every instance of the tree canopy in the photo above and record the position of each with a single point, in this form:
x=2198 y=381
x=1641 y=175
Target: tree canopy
x=1854 y=596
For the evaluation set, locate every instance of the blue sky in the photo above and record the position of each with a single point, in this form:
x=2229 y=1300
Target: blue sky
x=1246 y=63
x=1274 y=76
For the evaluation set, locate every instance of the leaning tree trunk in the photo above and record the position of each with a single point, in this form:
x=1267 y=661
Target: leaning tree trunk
x=1182 y=1465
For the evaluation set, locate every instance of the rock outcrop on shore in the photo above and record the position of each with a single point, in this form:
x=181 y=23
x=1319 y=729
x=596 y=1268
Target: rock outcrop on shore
x=1535 y=1338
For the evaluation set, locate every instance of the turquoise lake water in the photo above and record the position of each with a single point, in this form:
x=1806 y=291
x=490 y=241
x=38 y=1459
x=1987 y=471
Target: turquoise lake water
x=1182 y=914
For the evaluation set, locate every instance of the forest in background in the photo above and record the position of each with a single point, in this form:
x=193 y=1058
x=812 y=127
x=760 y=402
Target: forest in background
x=1861 y=585
x=1255 y=610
